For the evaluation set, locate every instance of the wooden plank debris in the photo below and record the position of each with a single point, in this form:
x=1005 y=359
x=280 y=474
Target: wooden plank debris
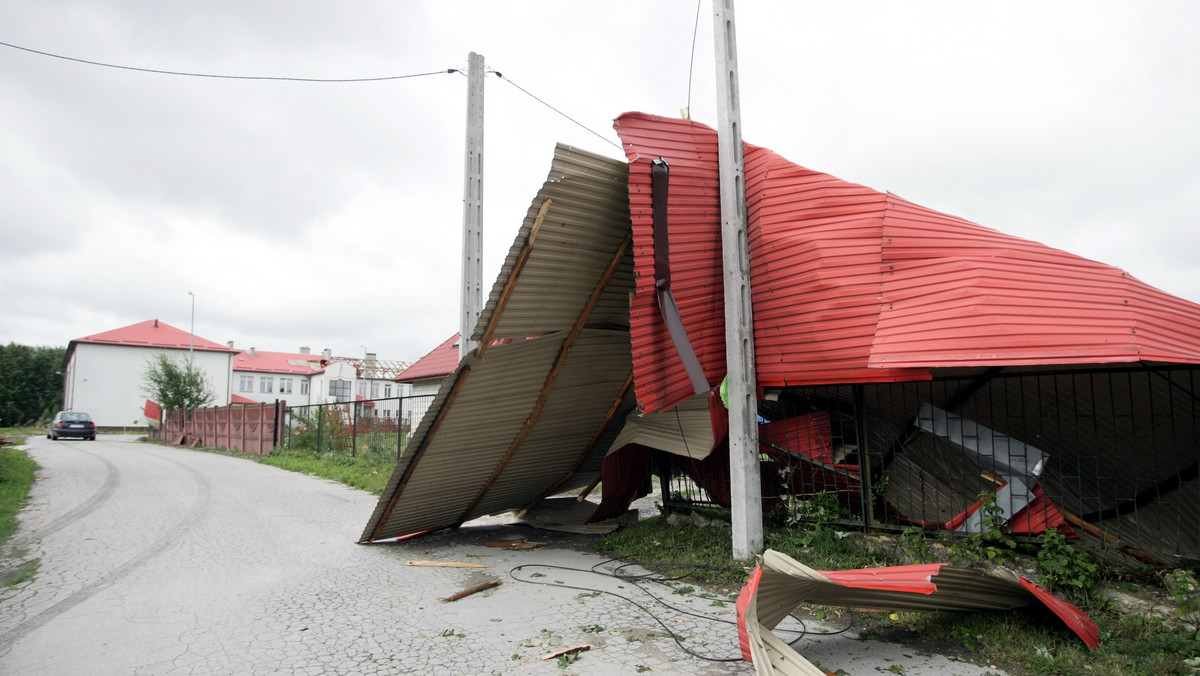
x=517 y=545
x=568 y=651
x=472 y=590
x=445 y=564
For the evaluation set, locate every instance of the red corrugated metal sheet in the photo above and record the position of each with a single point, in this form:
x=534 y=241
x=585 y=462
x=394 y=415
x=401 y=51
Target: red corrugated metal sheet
x=854 y=285
x=955 y=293
x=695 y=238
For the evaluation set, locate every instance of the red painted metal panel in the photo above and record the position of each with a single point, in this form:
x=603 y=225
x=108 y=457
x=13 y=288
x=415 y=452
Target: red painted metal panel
x=695 y=245
x=854 y=285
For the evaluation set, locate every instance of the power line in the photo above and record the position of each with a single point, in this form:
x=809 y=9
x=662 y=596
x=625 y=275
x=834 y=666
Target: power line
x=692 y=59
x=226 y=77
x=577 y=122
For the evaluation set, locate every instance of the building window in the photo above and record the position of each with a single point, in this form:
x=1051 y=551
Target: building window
x=266 y=384
x=362 y=388
x=374 y=390
x=246 y=383
x=304 y=386
x=285 y=385
x=387 y=389
x=339 y=390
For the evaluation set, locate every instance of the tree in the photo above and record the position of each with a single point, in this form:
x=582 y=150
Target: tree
x=176 y=384
x=30 y=383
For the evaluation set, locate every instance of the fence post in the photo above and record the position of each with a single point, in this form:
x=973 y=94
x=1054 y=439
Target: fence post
x=320 y=424
x=354 y=430
x=399 y=426
x=864 y=457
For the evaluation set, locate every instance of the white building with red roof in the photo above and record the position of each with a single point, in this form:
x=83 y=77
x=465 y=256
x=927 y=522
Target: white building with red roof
x=302 y=378
x=104 y=374
x=262 y=376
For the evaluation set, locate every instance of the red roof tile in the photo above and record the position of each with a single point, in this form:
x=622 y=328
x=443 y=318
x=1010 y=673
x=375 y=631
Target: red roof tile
x=153 y=333
x=439 y=363
x=277 y=362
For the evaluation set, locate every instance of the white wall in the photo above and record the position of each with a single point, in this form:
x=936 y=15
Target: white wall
x=107 y=381
x=256 y=393
x=422 y=388
x=338 y=370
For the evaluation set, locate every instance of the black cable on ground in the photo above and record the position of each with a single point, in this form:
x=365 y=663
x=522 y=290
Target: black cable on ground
x=657 y=578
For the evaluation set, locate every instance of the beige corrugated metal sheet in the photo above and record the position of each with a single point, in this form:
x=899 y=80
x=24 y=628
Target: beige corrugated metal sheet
x=455 y=468
x=510 y=427
x=582 y=229
x=684 y=430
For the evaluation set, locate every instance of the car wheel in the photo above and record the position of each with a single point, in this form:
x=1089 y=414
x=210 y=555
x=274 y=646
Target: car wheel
x=53 y=436
x=92 y=438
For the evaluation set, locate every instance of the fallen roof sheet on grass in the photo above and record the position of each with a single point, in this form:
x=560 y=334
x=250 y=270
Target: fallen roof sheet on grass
x=780 y=583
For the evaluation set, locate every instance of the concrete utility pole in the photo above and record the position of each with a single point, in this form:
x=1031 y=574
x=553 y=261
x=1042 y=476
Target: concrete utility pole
x=192 y=332
x=472 y=248
x=745 y=485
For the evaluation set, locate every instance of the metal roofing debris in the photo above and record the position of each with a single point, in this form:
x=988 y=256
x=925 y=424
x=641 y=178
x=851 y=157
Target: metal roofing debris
x=853 y=285
x=531 y=415
x=849 y=286
x=780 y=583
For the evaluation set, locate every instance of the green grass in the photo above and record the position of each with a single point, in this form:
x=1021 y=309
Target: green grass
x=16 y=476
x=31 y=431
x=368 y=474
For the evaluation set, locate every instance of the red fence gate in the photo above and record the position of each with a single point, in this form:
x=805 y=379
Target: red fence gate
x=250 y=428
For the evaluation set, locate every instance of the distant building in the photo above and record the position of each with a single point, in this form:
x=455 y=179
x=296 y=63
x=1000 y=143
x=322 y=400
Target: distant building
x=104 y=374
x=427 y=374
x=263 y=376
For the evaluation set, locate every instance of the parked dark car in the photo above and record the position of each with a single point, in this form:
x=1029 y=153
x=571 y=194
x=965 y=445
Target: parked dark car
x=71 y=424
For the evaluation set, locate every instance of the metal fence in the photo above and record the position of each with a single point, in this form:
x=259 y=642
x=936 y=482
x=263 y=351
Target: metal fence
x=250 y=428
x=372 y=428
x=1111 y=457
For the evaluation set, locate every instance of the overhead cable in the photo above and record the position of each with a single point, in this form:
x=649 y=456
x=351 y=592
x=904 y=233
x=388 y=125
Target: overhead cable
x=577 y=122
x=227 y=77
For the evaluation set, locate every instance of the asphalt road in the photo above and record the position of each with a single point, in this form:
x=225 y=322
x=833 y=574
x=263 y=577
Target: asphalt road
x=159 y=560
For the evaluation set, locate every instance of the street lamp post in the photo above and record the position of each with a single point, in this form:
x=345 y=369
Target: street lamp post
x=192 y=332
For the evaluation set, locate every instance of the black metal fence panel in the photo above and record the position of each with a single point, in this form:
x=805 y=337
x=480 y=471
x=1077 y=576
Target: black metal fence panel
x=1111 y=456
x=355 y=429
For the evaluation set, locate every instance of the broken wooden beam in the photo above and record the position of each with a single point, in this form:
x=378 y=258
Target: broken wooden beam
x=472 y=590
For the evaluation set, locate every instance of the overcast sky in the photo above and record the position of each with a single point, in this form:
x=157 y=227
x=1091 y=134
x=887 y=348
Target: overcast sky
x=330 y=215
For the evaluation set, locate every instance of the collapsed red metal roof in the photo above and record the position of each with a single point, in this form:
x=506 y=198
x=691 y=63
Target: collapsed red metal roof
x=854 y=285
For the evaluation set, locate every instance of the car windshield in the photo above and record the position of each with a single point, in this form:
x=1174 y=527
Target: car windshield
x=77 y=417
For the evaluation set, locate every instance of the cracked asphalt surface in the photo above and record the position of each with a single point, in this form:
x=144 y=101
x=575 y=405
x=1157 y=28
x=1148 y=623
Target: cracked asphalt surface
x=157 y=560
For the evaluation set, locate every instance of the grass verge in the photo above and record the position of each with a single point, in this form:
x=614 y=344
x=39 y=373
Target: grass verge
x=368 y=474
x=16 y=476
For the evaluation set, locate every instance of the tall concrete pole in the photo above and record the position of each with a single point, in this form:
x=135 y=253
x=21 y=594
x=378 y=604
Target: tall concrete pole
x=472 y=244
x=192 y=332
x=745 y=488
